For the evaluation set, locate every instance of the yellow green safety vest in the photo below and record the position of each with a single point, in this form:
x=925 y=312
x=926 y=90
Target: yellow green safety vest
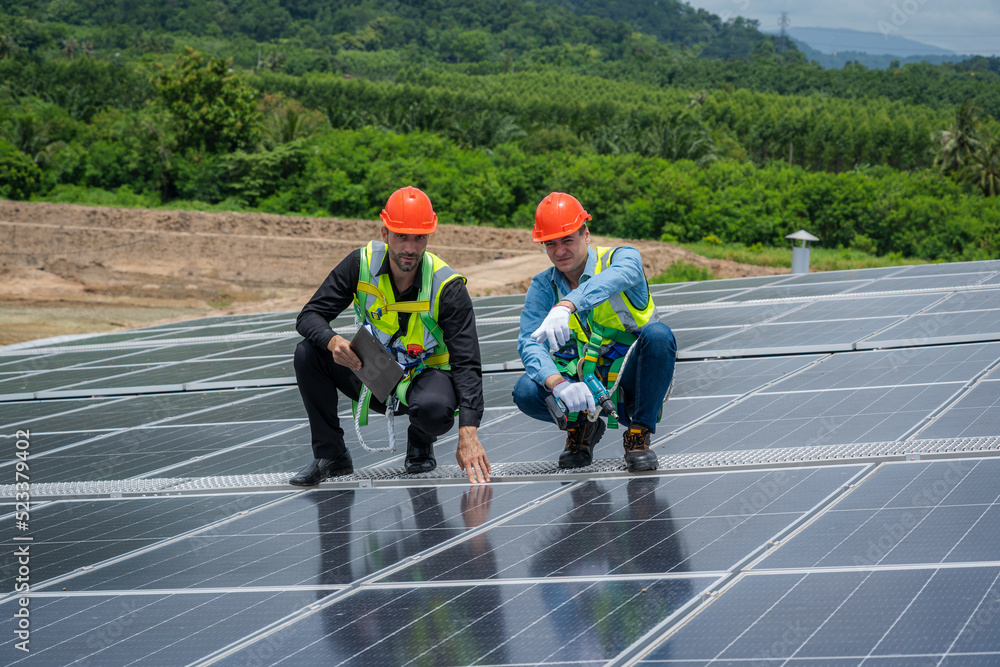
x=616 y=320
x=422 y=344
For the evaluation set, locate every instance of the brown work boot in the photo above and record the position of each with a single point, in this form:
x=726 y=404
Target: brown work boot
x=580 y=440
x=638 y=455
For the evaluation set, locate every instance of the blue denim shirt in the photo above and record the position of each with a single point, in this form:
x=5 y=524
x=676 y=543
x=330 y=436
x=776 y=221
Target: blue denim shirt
x=624 y=275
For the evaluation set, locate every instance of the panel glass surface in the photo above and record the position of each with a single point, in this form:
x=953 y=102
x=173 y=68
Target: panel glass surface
x=731 y=284
x=970 y=300
x=835 y=276
x=919 y=616
x=283 y=347
x=537 y=624
x=59 y=379
x=975 y=414
x=797 y=334
x=268 y=370
x=775 y=420
x=733 y=377
x=688 y=339
x=845 y=308
x=185 y=352
x=61 y=360
x=43 y=442
x=783 y=292
x=502 y=300
x=110 y=339
x=206 y=321
x=133 y=410
x=112 y=630
x=277 y=329
x=140 y=451
x=906 y=514
x=173 y=374
x=924 y=282
x=498 y=351
x=674 y=298
x=319 y=538
x=921 y=328
x=11 y=359
x=951 y=267
x=249 y=405
x=81 y=534
x=698 y=523
x=17 y=412
x=501 y=330
x=926 y=365
x=727 y=316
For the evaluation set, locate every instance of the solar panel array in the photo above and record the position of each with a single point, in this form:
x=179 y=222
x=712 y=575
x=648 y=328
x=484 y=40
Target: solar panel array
x=828 y=493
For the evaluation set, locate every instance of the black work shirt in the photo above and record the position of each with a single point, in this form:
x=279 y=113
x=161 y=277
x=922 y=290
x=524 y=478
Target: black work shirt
x=455 y=317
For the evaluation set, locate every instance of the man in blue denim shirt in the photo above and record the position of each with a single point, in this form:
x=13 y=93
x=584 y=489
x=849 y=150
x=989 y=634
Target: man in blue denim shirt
x=592 y=313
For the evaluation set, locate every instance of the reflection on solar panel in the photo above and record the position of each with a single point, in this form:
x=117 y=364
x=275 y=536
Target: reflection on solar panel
x=827 y=495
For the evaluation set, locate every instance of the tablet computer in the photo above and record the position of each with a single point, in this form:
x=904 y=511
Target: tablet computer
x=379 y=371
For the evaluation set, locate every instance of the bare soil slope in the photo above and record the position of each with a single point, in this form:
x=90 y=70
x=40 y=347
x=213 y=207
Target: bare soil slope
x=76 y=269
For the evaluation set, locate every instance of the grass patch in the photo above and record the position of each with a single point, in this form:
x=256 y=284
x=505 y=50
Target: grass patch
x=123 y=197
x=821 y=259
x=682 y=272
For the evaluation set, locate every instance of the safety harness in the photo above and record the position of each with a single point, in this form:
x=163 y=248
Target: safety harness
x=420 y=346
x=603 y=340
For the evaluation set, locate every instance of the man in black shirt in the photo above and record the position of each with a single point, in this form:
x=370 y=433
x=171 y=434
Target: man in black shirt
x=419 y=309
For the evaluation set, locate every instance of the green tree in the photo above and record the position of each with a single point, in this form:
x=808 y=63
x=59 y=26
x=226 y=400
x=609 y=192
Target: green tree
x=19 y=175
x=214 y=109
x=960 y=140
x=982 y=166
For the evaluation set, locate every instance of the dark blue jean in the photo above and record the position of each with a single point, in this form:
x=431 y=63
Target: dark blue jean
x=645 y=380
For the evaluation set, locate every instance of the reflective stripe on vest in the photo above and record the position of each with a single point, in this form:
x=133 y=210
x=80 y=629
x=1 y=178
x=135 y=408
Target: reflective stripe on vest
x=617 y=320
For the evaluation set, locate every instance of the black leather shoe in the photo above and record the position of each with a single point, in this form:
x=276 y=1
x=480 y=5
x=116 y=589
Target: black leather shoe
x=321 y=469
x=419 y=458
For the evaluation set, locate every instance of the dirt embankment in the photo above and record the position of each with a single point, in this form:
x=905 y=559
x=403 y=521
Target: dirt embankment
x=76 y=269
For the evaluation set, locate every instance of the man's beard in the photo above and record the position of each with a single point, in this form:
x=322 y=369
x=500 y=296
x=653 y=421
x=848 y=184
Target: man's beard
x=397 y=260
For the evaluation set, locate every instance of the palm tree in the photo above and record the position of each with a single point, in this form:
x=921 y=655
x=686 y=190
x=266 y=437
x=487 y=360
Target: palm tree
x=982 y=167
x=961 y=139
x=70 y=47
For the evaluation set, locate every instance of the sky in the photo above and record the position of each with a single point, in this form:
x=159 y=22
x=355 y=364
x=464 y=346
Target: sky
x=963 y=26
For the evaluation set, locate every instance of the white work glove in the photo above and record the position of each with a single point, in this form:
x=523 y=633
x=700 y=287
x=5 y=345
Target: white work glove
x=555 y=328
x=575 y=396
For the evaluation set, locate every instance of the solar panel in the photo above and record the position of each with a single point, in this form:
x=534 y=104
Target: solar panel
x=826 y=495
x=924 y=282
x=939 y=512
x=883 y=617
x=738 y=316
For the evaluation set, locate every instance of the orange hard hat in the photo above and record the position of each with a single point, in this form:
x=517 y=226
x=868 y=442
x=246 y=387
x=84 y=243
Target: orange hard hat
x=409 y=211
x=558 y=215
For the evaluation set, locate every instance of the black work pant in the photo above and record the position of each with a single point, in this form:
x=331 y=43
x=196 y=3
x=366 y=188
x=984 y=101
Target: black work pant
x=431 y=399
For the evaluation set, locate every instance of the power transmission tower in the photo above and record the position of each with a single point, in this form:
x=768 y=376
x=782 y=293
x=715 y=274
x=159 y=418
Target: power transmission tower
x=784 y=22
